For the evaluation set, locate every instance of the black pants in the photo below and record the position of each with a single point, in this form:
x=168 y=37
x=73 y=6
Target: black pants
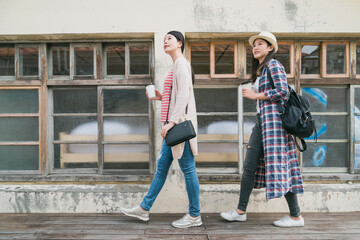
x=254 y=152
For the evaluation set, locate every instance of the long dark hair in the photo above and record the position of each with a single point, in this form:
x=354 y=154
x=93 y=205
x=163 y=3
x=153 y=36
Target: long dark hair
x=180 y=38
x=256 y=67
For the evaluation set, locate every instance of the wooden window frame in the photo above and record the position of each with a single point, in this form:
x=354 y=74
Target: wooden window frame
x=25 y=143
x=17 y=61
x=10 y=78
x=292 y=56
x=346 y=58
x=72 y=61
x=320 y=59
x=50 y=62
x=212 y=60
x=188 y=53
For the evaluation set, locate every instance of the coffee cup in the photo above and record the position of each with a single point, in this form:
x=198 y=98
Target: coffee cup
x=150 y=89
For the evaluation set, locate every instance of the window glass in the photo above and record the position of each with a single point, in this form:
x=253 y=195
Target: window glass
x=60 y=59
x=19 y=157
x=84 y=61
x=328 y=127
x=7 y=60
x=216 y=99
x=326 y=155
x=126 y=126
x=217 y=157
x=19 y=101
x=75 y=128
x=139 y=58
x=115 y=59
x=249 y=123
x=335 y=59
x=249 y=58
x=310 y=59
x=125 y=101
x=75 y=101
x=357 y=100
x=357 y=156
x=326 y=99
x=200 y=59
x=29 y=61
x=224 y=58
x=224 y=125
x=71 y=155
x=19 y=129
x=357 y=114
x=249 y=105
x=283 y=56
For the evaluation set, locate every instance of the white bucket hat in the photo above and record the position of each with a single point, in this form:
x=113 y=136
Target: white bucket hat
x=268 y=36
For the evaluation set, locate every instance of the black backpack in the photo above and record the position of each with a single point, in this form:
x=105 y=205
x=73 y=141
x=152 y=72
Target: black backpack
x=296 y=118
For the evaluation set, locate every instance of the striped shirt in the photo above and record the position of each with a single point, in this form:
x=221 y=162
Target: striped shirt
x=165 y=100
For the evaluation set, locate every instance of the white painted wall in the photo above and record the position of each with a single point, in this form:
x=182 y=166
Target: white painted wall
x=158 y=17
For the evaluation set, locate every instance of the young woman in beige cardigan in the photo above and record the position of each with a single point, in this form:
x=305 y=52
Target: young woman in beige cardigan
x=179 y=85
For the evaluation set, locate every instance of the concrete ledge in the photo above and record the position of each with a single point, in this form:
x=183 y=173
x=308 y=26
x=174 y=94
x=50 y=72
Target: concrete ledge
x=108 y=198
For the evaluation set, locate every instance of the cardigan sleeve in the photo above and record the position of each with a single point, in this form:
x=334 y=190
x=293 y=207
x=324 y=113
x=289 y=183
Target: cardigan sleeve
x=183 y=80
x=278 y=75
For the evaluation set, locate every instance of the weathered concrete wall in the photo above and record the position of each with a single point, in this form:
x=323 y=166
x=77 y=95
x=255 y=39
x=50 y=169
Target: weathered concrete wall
x=109 y=198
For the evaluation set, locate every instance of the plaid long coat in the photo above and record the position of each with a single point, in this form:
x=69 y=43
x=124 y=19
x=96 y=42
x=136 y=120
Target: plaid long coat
x=279 y=170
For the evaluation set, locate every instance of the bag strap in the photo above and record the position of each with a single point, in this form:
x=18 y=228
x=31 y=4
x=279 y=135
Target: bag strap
x=303 y=143
x=167 y=114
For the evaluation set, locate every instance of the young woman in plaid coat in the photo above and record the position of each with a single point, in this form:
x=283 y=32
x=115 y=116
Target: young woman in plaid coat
x=271 y=159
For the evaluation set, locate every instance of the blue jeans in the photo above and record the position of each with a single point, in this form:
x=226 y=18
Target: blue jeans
x=187 y=165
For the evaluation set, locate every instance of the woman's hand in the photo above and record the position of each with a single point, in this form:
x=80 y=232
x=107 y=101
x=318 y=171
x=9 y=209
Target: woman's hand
x=157 y=97
x=166 y=128
x=250 y=94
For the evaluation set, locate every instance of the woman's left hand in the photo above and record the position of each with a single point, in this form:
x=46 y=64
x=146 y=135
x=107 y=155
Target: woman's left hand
x=249 y=93
x=166 y=128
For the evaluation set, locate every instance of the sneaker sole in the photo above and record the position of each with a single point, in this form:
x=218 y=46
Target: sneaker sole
x=194 y=225
x=135 y=216
x=288 y=226
x=232 y=220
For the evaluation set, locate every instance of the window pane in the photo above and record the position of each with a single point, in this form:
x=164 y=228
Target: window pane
x=19 y=101
x=216 y=100
x=335 y=59
x=126 y=128
x=75 y=128
x=7 y=61
x=357 y=127
x=115 y=59
x=249 y=105
x=328 y=127
x=224 y=58
x=358 y=59
x=75 y=155
x=224 y=125
x=29 y=61
x=249 y=123
x=75 y=101
x=84 y=61
x=357 y=155
x=125 y=101
x=139 y=58
x=19 y=129
x=249 y=59
x=357 y=100
x=327 y=99
x=283 y=56
x=310 y=59
x=19 y=157
x=126 y=156
x=326 y=155
x=200 y=59
x=217 y=156
x=60 y=60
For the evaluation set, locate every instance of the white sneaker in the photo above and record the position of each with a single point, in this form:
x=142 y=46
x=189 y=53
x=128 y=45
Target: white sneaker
x=287 y=221
x=233 y=216
x=136 y=212
x=187 y=221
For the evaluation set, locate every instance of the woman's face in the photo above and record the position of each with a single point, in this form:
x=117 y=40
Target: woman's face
x=171 y=44
x=261 y=49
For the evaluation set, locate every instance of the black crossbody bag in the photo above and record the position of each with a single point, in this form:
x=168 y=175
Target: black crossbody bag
x=296 y=118
x=180 y=132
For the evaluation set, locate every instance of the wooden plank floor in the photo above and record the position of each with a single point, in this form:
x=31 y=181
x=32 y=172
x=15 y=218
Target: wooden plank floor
x=118 y=226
